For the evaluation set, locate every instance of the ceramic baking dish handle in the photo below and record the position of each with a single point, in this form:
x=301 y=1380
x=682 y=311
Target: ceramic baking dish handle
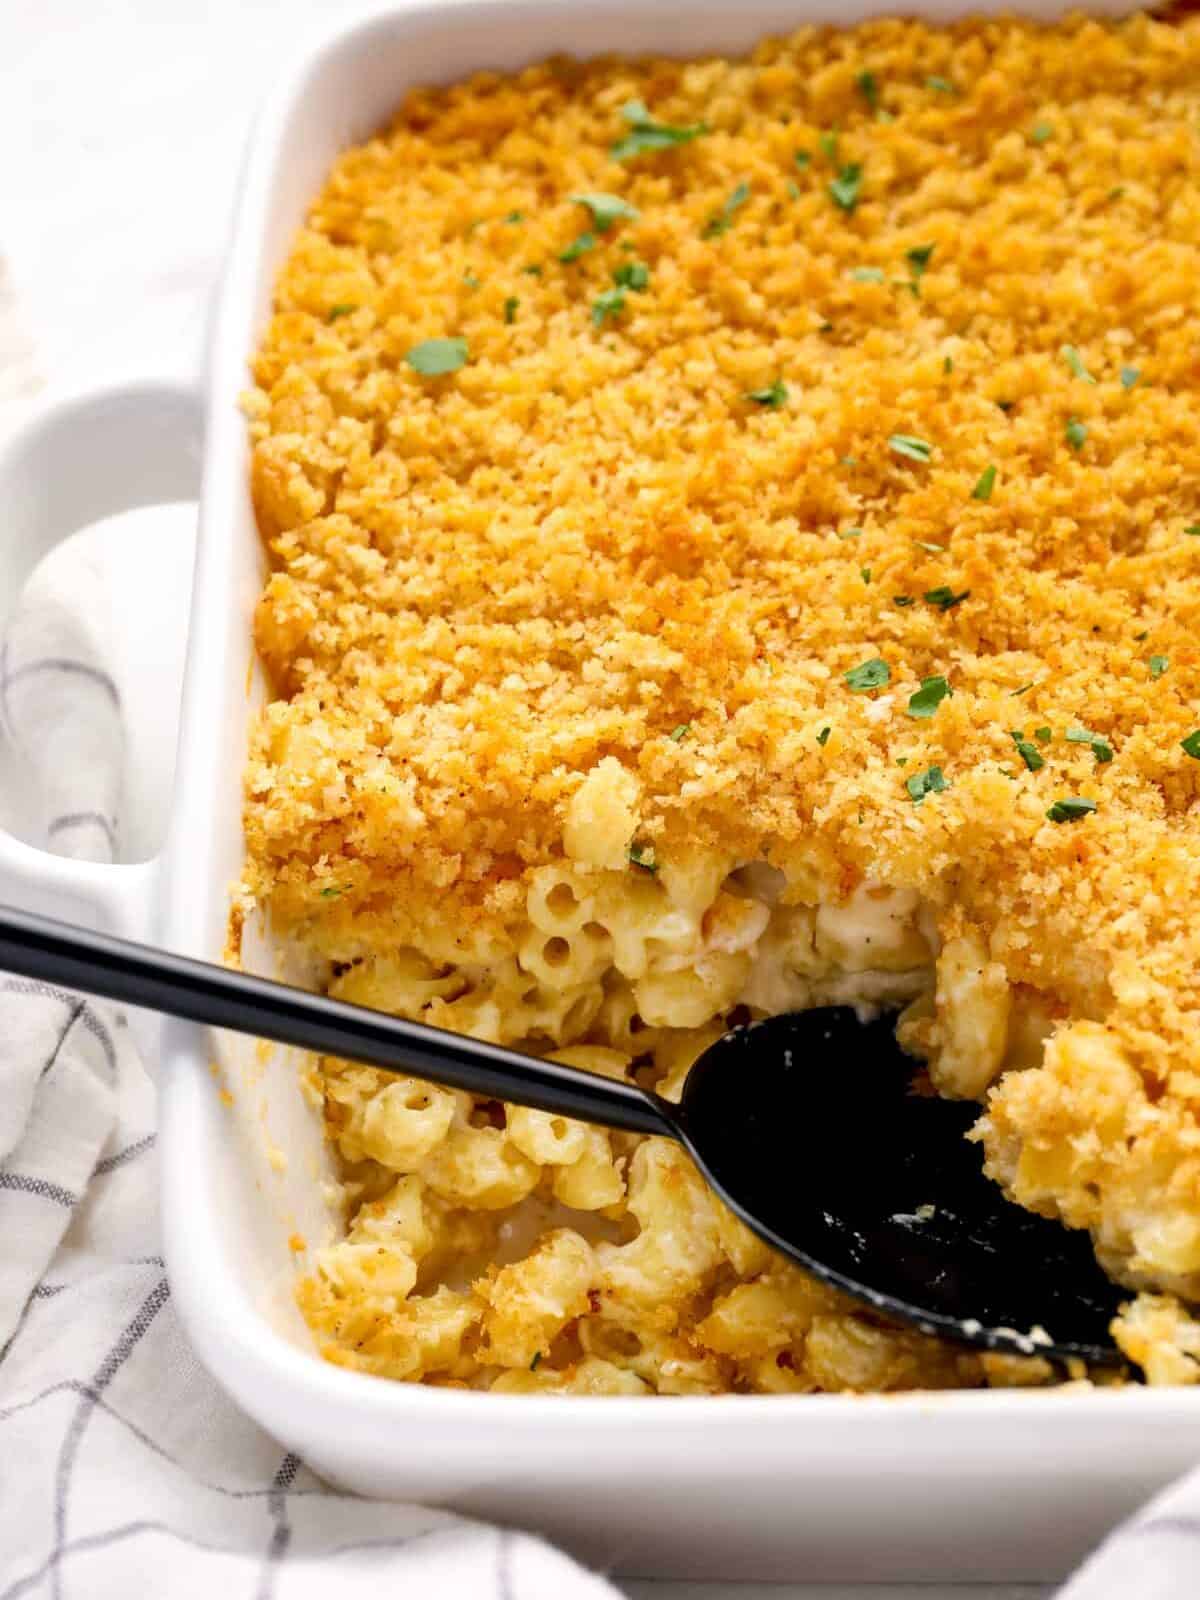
x=72 y=462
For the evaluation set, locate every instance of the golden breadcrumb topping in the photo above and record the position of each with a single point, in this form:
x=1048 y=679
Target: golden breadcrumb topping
x=834 y=469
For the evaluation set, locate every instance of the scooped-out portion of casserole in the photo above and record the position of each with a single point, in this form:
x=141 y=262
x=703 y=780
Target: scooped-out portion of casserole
x=735 y=545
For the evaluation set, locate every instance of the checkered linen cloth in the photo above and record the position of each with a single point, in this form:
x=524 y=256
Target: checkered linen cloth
x=123 y=1467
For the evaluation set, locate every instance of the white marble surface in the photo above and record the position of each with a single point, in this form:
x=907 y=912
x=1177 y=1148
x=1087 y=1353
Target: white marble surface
x=133 y=114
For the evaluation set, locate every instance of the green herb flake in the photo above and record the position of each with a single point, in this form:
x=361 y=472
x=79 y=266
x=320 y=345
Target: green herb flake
x=845 y=189
x=1100 y=747
x=632 y=275
x=1042 y=735
x=868 y=87
x=829 y=144
x=335 y=312
x=945 y=598
x=1029 y=753
x=849 y=533
x=865 y=574
x=803 y=159
x=515 y=216
x=903 y=600
x=1129 y=377
x=330 y=893
x=987 y=482
x=533 y=1365
x=947 y=366
x=1075 y=362
x=1191 y=745
x=642 y=856
x=1040 y=132
x=771 y=398
x=646 y=136
x=918 y=259
x=793 y=190
x=606 y=209
x=608 y=303
x=680 y=733
x=1158 y=665
x=1070 y=810
x=931 y=781
x=823 y=736
x=1024 y=689
x=934 y=549
x=1193 y=530
x=1005 y=405
x=533 y=270
x=469 y=278
x=925 y=701
x=510 y=308
x=433 y=358
x=872 y=674
x=721 y=221
x=867 y=274
x=1075 y=433
x=907 y=444
x=578 y=247
x=940 y=85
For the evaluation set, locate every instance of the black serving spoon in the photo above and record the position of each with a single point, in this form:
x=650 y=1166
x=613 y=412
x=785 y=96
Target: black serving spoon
x=806 y=1125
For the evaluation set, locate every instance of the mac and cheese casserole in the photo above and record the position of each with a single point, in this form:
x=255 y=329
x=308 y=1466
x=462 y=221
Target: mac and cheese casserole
x=734 y=531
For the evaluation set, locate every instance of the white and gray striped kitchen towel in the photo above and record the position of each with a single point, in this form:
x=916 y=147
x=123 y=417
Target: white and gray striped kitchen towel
x=123 y=1468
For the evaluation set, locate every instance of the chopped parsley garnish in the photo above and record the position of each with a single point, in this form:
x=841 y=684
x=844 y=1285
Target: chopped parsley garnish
x=1042 y=735
x=533 y=1365
x=1129 y=377
x=632 y=275
x=433 y=358
x=510 y=308
x=918 y=259
x=578 y=247
x=868 y=87
x=829 y=144
x=1075 y=362
x=469 y=278
x=608 y=303
x=945 y=598
x=947 y=366
x=865 y=574
x=680 y=733
x=940 y=85
x=845 y=188
x=515 y=216
x=721 y=221
x=773 y=397
x=1100 y=748
x=793 y=190
x=928 y=697
x=533 y=270
x=1040 y=132
x=642 y=855
x=867 y=274
x=606 y=209
x=931 y=781
x=1024 y=689
x=803 y=159
x=903 y=600
x=1158 y=665
x=987 y=482
x=330 y=893
x=1029 y=753
x=872 y=674
x=907 y=444
x=646 y=135
x=1006 y=405
x=1075 y=433
x=823 y=736
x=1193 y=530
x=1191 y=745
x=849 y=533
x=1070 y=810
x=335 y=312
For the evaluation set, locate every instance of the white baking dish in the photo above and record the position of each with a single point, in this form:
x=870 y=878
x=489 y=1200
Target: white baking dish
x=995 y=1485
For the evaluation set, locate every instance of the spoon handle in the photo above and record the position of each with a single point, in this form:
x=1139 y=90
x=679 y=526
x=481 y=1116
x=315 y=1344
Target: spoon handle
x=199 y=991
